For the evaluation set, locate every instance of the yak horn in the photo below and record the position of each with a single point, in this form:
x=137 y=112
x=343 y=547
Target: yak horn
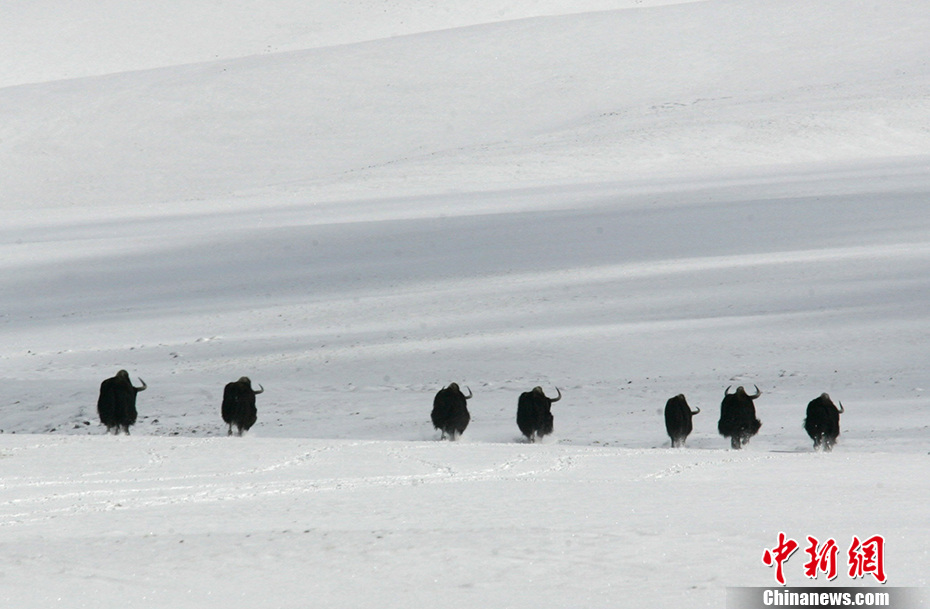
x=143 y=387
x=558 y=398
x=470 y=395
x=696 y=410
x=260 y=389
x=727 y=390
x=841 y=410
x=758 y=392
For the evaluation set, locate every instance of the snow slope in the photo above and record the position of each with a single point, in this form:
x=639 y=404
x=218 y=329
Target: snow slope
x=358 y=203
x=582 y=98
x=52 y=40
x=182 y=522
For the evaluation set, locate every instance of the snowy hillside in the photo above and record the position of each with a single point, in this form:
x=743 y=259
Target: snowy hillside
x=358 y=203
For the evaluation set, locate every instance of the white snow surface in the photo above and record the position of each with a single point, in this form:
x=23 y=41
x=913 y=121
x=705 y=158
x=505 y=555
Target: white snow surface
x=356 y=203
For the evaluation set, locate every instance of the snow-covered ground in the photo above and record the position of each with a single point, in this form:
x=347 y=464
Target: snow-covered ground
x=357 y=203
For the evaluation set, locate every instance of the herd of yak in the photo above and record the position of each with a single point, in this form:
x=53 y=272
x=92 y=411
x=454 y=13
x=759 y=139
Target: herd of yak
x=117 y=409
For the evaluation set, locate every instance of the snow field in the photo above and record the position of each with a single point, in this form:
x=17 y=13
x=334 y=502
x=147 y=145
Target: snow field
x=356 y=204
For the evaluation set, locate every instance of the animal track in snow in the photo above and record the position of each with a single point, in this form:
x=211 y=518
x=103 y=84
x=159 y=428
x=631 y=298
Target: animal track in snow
x=680 y=468
x=155 y=475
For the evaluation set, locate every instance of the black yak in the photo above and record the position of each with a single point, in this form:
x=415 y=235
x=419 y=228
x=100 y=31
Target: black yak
x=678 y=419
x=822 y=423
x=534 y=413
x=117 y=402
x=239 y=405
x=738 y=416
x=450 y=411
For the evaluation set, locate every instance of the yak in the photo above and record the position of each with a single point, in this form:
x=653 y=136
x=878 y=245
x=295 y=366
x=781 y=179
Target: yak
x=117 y=402
x=678 y=419
x=534 y=413
x=239 y=405
x=822 y=423
x=738 y=416
x=450 y=411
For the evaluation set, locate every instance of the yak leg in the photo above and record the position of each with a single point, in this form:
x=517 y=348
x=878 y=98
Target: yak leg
x=828 y=444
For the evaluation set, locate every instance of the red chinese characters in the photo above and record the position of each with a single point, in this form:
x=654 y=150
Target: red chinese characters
x=867 y=557
x=779 y=555
x=822 y=559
